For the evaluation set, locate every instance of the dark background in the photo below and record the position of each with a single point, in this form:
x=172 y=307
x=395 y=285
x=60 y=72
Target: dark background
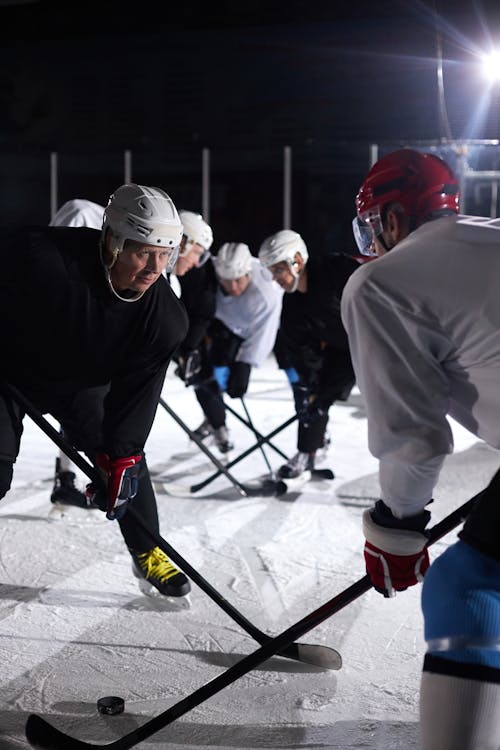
x=243 y=79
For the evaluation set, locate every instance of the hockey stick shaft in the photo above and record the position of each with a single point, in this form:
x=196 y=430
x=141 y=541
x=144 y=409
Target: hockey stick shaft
x=292 y=651
x=221 y=468
x=42 y=735
x=261 y=447
x=265 y=439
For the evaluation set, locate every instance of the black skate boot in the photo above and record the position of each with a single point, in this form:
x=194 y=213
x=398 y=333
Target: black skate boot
x=65 y=492
x=154 y=569
x=296 y=466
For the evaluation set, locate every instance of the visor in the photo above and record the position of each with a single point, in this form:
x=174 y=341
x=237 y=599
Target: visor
x=365 y=228
x=363 y=234
x=172 y=259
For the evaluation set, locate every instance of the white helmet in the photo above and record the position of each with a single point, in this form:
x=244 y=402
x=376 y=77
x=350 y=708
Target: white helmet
x=282 y=246
x=233 y=261
x=79 y=212
x=196 y=229
x=143 y=214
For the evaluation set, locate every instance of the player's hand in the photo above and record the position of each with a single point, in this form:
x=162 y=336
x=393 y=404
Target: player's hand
x=188 y=366
x=237 y=383
x=120 y=484
x=395 y=550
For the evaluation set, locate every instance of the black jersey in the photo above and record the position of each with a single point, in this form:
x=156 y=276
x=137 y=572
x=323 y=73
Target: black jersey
x=311 y=329
x=198 y=289
x=64 y=330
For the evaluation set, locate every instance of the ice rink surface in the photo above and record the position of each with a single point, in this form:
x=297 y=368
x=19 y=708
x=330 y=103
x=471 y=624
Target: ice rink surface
x=74 y=625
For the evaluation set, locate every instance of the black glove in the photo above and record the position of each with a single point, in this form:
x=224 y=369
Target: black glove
x=189 y=366
x=225 y=343
x=311 y=357
x=306 y=405
x=239 y=375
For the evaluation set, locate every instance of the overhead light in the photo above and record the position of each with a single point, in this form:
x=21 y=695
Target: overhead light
x=491 y=66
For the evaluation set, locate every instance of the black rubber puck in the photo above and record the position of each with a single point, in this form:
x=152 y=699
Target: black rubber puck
x=111 y=705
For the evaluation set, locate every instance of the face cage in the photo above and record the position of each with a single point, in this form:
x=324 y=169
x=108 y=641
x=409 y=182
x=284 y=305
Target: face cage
x=365 y=228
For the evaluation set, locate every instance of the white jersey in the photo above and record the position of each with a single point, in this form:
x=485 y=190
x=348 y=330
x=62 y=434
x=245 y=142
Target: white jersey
x=79 y=213
x=424 y=331
x=254 y=315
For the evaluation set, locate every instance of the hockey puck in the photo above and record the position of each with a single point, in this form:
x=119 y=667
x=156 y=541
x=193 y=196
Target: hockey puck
x=111 y=705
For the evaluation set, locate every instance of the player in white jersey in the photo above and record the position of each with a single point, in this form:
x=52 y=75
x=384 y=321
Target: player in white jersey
x=241 y=336
x=423 y=322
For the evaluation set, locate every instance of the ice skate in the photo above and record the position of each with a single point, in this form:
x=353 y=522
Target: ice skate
x=297 y=466
x=222 y=440
x=204 y=430
x=157 y=575
x=65 y=495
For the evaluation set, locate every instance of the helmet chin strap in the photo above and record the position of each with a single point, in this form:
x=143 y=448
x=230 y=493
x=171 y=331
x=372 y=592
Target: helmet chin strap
x=107 y=269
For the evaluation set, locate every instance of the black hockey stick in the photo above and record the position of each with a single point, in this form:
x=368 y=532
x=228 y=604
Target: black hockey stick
x=320 y=656
x=44 y=736
x=258 y=435
x=315 y=473
x=261 y=447
x=268 y=488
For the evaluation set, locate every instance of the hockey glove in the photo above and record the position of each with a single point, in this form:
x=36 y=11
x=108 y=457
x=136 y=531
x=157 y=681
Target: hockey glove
x=221 y=374
x=121 y=481
x=292 y=375
x=188 y=366
x=395 y=549
x=239 y=375
x=225 y=343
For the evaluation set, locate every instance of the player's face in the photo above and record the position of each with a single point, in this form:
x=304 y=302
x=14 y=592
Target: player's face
x=283 y=275
x=189 y=257
x=235 y=287
x=138 y=266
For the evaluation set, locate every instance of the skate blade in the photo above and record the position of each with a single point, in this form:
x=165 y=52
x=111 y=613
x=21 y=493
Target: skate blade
x=173 y=602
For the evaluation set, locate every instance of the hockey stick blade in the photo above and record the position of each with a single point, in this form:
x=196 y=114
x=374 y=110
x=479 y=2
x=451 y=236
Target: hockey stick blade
x=322 y=474
x=44 y=736
x=268 y=488
x=323 y=657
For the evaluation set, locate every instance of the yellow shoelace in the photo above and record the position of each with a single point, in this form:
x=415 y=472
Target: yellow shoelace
x=157 y=565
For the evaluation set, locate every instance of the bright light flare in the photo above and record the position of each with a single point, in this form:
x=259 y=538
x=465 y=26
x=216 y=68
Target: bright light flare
x=491 y=66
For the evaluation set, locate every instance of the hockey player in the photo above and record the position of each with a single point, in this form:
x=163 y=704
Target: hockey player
x=118 y=324
x=196 y=287
x=241 y=336
x=77 y=212
x=424 y=328
x=312 y=335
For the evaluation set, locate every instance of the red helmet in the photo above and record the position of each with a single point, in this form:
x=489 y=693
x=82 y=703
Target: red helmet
x=423 y=184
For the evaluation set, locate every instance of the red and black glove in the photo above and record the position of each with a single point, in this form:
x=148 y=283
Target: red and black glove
x=395 y=549
x=121 y=482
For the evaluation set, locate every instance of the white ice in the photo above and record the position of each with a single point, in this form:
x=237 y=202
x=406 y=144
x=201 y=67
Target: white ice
x=74 y=625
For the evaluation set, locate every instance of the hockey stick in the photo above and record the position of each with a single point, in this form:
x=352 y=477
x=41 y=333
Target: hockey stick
x=261 y=447
x=310 y=474
x=256 y=433
x=320 y=656
x=270 y=487
x=44 y=736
